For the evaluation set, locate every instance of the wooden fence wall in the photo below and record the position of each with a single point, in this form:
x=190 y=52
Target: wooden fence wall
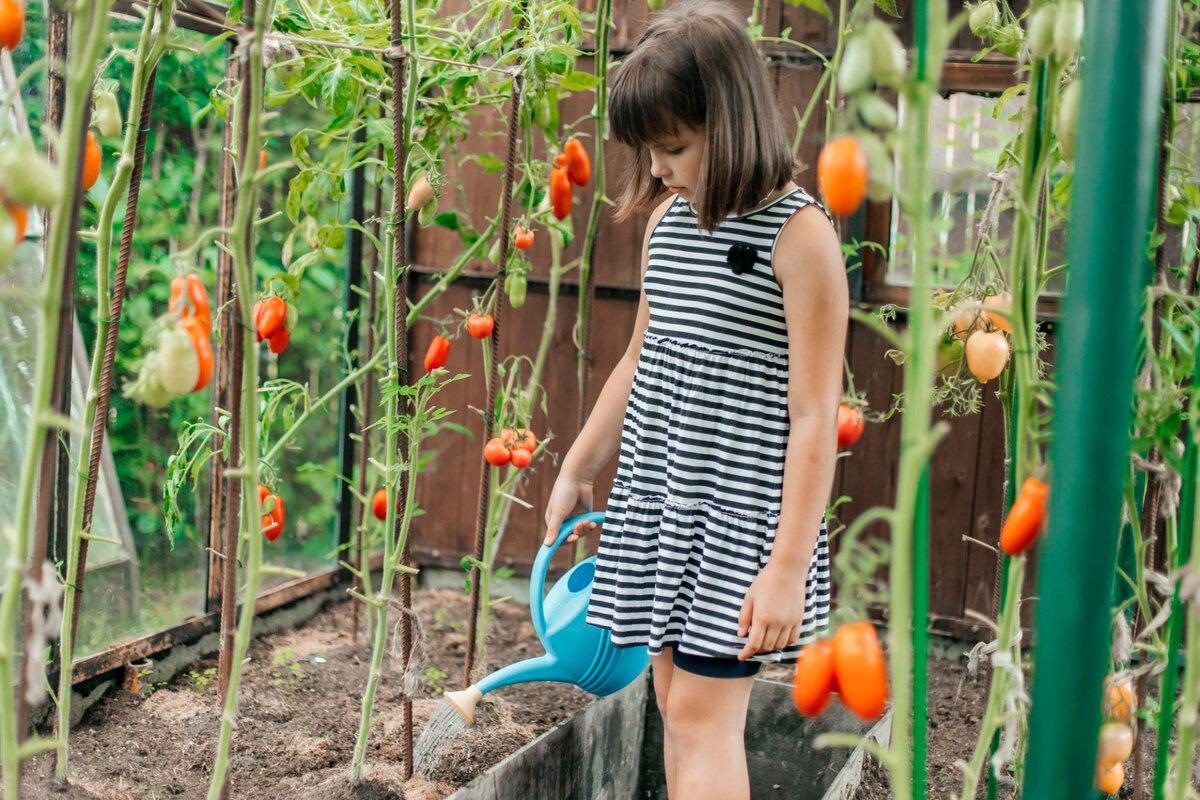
x=968 y=469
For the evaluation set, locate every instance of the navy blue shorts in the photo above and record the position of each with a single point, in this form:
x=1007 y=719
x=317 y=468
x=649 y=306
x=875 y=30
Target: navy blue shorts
x=713 y=666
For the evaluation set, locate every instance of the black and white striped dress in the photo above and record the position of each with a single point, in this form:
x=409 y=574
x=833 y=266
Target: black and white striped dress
x=692 y=515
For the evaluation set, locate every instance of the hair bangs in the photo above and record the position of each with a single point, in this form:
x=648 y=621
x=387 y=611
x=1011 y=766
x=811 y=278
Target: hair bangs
x=646 y=107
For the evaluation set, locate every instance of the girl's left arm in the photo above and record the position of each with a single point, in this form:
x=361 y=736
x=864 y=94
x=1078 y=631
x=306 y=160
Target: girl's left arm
x=816 y=298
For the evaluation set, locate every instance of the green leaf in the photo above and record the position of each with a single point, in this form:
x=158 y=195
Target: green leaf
x=887 y=7
x=448 y=219
x=582 y=81
x=489 y=162
x=822 y=8
x=1007 y=95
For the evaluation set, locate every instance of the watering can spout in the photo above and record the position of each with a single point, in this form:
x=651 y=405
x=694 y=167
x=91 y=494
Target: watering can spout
x=464 y=702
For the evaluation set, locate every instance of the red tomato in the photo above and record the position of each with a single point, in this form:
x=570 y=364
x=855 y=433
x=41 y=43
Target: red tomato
x=496 y=453
x=12 y=23
x=849 y=426
x=560 y=193
x=435 y=356
x=279 y=342
x=379 y=504
x=523 y=238
x=480 y=325
x=524 y=439
x=579 y=166
x=521 y=458
x=269 y=316
x=272 y=521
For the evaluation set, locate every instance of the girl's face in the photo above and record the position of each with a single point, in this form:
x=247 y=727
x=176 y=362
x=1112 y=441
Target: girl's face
x=676 y=160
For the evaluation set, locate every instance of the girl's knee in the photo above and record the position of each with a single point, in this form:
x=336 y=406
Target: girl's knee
x=700 y=708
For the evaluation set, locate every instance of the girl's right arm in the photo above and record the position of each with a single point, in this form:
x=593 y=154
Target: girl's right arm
x=601 y=435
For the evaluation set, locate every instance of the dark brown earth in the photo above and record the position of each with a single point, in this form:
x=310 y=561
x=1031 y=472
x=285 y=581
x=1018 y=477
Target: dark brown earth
x=297 y=726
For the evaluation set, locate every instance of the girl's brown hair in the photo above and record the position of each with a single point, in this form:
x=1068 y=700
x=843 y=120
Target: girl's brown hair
x=695 y=65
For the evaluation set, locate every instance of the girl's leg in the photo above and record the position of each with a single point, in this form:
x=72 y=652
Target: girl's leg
x=662 y=668
x=706 y=722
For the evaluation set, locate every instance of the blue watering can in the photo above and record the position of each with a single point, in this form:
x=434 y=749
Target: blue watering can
x=576 y=652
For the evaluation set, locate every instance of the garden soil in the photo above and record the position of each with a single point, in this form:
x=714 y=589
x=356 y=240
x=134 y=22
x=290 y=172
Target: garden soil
x=301 y=701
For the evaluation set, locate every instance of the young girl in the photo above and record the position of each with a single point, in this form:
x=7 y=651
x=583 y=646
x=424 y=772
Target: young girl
x=713 y=551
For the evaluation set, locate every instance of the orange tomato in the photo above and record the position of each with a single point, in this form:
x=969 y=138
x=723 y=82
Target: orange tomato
x=842 y=175
x=1110 y=777
x=812 y=683
x=12 y=23
x=560 y=193
x=91 y=161
x=998 y=303
x=496 y=453
x=849 y=426
x=579 y=166
x=1119 y=700
x=262 y=160
x=20 y=217
x=199 y=332
x=1025 y=518
x=197 y=295
x=860 y=669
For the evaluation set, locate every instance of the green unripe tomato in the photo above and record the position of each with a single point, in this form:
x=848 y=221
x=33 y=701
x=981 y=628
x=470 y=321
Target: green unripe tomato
x=1041 y=31
x=876 y=112
x=854 y=72
x=1067 y=129
x=427 y=213
x=888 y=59
x=107 y=114
x=1009 y=39
x=880 y=179
x=543 y=115
x=656 y=5
x=983 y=18
x=1068 y=29
x=515 y=286
x=26 y=177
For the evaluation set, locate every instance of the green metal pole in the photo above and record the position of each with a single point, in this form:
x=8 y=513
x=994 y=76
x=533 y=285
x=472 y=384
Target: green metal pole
x=920 y=632
x=1122 y=75
x=1183 y=552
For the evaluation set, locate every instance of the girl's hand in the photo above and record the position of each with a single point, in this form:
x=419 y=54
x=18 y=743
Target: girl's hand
x=570 y=497
x=773 y=611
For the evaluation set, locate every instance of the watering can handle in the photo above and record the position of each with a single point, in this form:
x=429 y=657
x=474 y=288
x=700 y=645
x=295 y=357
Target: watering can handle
x=537 y=578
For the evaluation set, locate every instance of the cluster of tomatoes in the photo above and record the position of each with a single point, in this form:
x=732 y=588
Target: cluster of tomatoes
x=1116 y=736
x=571 y=166
x=272 y=517
x=851 y=168
x=850 y=665
x=981 y=334
x=181 y=360
x=274 y=319
x=514 y=447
